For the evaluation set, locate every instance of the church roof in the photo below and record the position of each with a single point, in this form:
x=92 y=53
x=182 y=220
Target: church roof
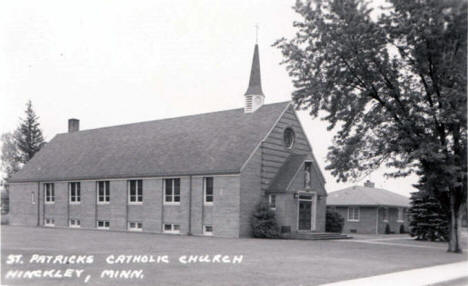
x=210 y=143
x=366 y=196
x=255 y=82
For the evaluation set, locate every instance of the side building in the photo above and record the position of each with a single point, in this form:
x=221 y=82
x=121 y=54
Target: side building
x=370 y=210
x=196 y=175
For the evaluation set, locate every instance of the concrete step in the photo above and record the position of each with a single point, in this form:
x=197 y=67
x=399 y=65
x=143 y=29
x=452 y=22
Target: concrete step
x=315 y=236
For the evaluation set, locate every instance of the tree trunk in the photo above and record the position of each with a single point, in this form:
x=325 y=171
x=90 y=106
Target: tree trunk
x=454 y=232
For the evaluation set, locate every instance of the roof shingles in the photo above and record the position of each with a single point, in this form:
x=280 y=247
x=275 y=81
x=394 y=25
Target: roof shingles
x=366 y=196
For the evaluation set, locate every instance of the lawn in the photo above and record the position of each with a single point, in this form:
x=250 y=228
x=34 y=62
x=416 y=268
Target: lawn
x=264 y=262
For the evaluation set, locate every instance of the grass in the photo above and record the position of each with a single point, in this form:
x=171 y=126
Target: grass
x=265 y=262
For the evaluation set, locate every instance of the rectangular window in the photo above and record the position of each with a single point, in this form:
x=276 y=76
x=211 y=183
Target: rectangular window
x=102 y=224
x=171 y=228
x=172 y=191
x=135 y=226
x=103 y=192
x=49 y=222
x=208 y=230
x=401 y=214
x=353 y=214
x=208 y=185
x=33 y=198
x=74 y=223
x=49 y=193
x=135 y=192
x=385 y=215
x=272 y=201
x=75 y=193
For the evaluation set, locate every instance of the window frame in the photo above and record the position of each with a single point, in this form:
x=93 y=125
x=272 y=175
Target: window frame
x=386 y=214
x=205 y=194
x=106 y=194
x=172 y=195
x=49 y=193
x=206 y=232
x=138 y=226
x=77 y=196
x=272 y=201
x=76 y=224
x=33 y=198
x=50 y=222
x=401 y=215
x=356 y=214
x=138 y=187
x=104 y=224
x=175 y=228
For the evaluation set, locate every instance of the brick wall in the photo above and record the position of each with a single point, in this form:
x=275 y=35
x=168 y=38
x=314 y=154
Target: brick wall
x=367 y=220
x=22 y=210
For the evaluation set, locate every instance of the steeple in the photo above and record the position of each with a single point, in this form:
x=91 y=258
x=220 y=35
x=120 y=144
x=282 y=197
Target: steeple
x=254 y=95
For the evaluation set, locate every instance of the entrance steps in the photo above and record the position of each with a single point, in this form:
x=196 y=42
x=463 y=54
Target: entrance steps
x=314 y=235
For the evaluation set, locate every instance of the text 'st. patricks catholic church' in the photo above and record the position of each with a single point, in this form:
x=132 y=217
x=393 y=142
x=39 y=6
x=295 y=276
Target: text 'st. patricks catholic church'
x=201 y=174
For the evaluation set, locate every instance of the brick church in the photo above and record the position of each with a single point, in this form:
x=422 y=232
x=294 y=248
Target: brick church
x=198 y=175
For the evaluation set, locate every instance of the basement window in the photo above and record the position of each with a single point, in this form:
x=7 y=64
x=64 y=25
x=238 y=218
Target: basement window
x=135 y=226
x=171 y=228
x=208 y=230
x=102 y=224
x=49 y=222
x=74 y=223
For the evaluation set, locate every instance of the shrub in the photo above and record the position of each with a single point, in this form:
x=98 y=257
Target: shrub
x=402 y=229
x=334 y=222
x=263 y=222
x=387 y=229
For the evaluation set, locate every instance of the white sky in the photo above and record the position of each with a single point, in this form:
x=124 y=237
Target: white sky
x=115 y=62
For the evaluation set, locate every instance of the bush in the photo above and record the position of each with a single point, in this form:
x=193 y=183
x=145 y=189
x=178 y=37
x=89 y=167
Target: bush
x=387 y=229
x=334 y=222
x=263 y=222
x=402 y=229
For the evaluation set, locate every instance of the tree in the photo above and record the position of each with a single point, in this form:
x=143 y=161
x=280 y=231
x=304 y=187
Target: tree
x=263 y=222
x=29 y=137
x=10 y=155
x=393 y=82
x=334 y=222
x=428 y=220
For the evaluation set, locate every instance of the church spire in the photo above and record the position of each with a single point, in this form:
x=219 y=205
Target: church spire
x=254 y=95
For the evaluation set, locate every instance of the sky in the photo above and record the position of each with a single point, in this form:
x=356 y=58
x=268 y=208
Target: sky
x=115 y=62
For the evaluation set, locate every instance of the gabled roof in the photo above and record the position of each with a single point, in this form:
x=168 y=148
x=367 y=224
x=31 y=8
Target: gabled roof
x=255 y=82
x=366 y=196
x=211 y=143
x=286 y=173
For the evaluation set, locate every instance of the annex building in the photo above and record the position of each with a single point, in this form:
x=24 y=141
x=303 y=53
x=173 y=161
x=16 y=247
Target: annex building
x=200 y=175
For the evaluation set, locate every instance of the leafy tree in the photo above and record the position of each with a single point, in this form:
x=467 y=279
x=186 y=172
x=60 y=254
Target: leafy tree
x=428 y=220
x=334 y=222
x=10 y=155
x=29 y=137
x=393 y=82
x=263 y=222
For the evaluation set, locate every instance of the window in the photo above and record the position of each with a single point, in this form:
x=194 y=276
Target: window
x=74 y=223
x=135 y=226
x=49 y=193
x=385 y=215
x=172 y=191
x=401 y=214
x=103 y=192
x=289 y=137
x=49 y=222
x=33 y=198
x=102 y=224
x=171 y=228
x=353 y=214
x=208 y=230
x=75 y=193
x=272 y=201
x=135 y=194
x=208 y=184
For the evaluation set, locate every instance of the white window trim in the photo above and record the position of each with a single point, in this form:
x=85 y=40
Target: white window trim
x=102 y=227
x=207 y=233
x=386 y=214
x=136 y=186
x=171 y=203
x=358 y=214
x=97 y=193
x=45 y=195
x=70 y=196
x=52 y=223
x=402 y=212
x=135 y=228
x=74 y=225
x=204 y=192
x=33 y=198
x=269 y=201
x=173 y=230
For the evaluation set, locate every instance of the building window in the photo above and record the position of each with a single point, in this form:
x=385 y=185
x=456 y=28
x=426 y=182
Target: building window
x=208 y=184
x=75 y=193
x=135 y=226
x=103 y=192
x=385 y=215
x=289 y=137
x=49 y=193
x=353 y=214
x=74 y=223
x=272 y=201
x=172 y=191
x=208 y=230
x=171 y=228
x=33 y=198
x=102 y=224
x=401 y=214
x=135 y=193
x=49 y=222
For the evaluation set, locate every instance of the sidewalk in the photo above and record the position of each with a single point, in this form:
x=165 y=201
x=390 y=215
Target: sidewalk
x=416 y=277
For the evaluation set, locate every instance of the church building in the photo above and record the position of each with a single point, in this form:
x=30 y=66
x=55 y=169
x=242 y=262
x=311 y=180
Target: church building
x=197 y=175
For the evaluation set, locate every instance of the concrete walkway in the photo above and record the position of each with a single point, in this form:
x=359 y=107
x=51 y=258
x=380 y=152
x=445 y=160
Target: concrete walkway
x=416 y=277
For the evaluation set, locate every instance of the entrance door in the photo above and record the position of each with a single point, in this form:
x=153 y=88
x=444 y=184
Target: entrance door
x=305 y=215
